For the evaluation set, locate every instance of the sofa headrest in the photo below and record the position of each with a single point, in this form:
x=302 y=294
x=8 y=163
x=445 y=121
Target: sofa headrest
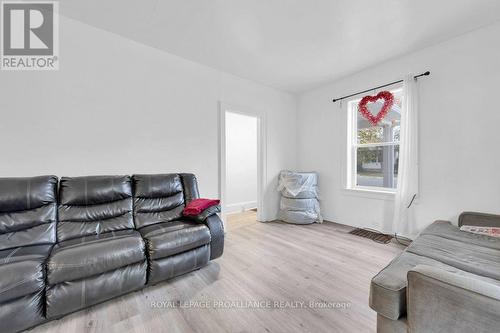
x=157 y=186
x=93 y=190
x=17 y=194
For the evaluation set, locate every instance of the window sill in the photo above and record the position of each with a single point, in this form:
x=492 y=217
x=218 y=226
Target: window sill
x=378 y=194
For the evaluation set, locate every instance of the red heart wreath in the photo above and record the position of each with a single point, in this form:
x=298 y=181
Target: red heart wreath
x=388 y=101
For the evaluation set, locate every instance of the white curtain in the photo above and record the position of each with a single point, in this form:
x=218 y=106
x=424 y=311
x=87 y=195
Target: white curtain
x=407 y=187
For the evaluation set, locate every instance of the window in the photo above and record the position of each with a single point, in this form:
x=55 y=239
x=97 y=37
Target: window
x=373 y=151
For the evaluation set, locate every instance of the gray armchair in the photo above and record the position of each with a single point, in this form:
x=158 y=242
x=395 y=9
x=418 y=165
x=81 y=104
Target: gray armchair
x=447 y=280
x=442 y=300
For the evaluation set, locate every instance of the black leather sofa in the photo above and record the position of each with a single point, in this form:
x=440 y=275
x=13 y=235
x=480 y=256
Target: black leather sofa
x=74 y=243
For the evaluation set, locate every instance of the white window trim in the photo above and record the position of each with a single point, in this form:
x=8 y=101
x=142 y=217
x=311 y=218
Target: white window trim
x=369 y=193
x=350 y=187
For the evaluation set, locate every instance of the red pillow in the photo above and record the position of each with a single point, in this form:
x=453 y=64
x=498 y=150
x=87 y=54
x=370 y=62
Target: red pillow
x=197 y=206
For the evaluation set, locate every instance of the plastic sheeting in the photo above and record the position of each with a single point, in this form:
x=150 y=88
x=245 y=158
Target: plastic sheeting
x=304 y=194
x=299 y=202
x=297 y=217
x=298 y=184
x=304 y=205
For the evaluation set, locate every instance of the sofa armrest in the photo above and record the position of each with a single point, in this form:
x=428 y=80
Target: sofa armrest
x=216 y=227
x=451 y=301
x=479 y=219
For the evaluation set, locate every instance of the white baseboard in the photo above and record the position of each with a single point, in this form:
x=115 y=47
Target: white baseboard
x=240 y=207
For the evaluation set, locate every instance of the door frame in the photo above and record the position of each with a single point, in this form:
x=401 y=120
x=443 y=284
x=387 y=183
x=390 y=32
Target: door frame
x=261 y=155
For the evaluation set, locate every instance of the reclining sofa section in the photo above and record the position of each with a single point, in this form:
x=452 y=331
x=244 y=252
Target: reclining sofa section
x=93 y=239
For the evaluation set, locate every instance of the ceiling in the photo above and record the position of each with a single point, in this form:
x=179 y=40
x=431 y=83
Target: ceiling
x=293 y=45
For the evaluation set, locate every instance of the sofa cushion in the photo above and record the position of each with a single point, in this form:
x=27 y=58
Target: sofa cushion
x=19 y=194
x=388 y=287
x=94 y=205
x=447 y=230
x=190 y=186
x=94 y=190
x=43 y=234
x=90 y=255
x=166 y=268
x=157 y=198
x=22 y=271
x=27 y=211
x=169 y=238
x=71 y=296
x=468 y=257
x=22 y=313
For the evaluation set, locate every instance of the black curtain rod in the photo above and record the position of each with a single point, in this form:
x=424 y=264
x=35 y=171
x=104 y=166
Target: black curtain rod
x=382 y=86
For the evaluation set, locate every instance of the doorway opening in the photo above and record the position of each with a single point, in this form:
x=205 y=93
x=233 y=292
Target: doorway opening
x=242 y=154
x=241 y=163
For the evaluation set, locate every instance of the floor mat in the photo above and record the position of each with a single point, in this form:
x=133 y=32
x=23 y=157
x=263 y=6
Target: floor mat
x=374 y=236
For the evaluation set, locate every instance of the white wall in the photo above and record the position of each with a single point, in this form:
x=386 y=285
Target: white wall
x=119 y=107
x=241 y=163
x=459 y=133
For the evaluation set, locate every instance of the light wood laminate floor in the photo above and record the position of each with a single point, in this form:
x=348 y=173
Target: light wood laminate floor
x=263 y=263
